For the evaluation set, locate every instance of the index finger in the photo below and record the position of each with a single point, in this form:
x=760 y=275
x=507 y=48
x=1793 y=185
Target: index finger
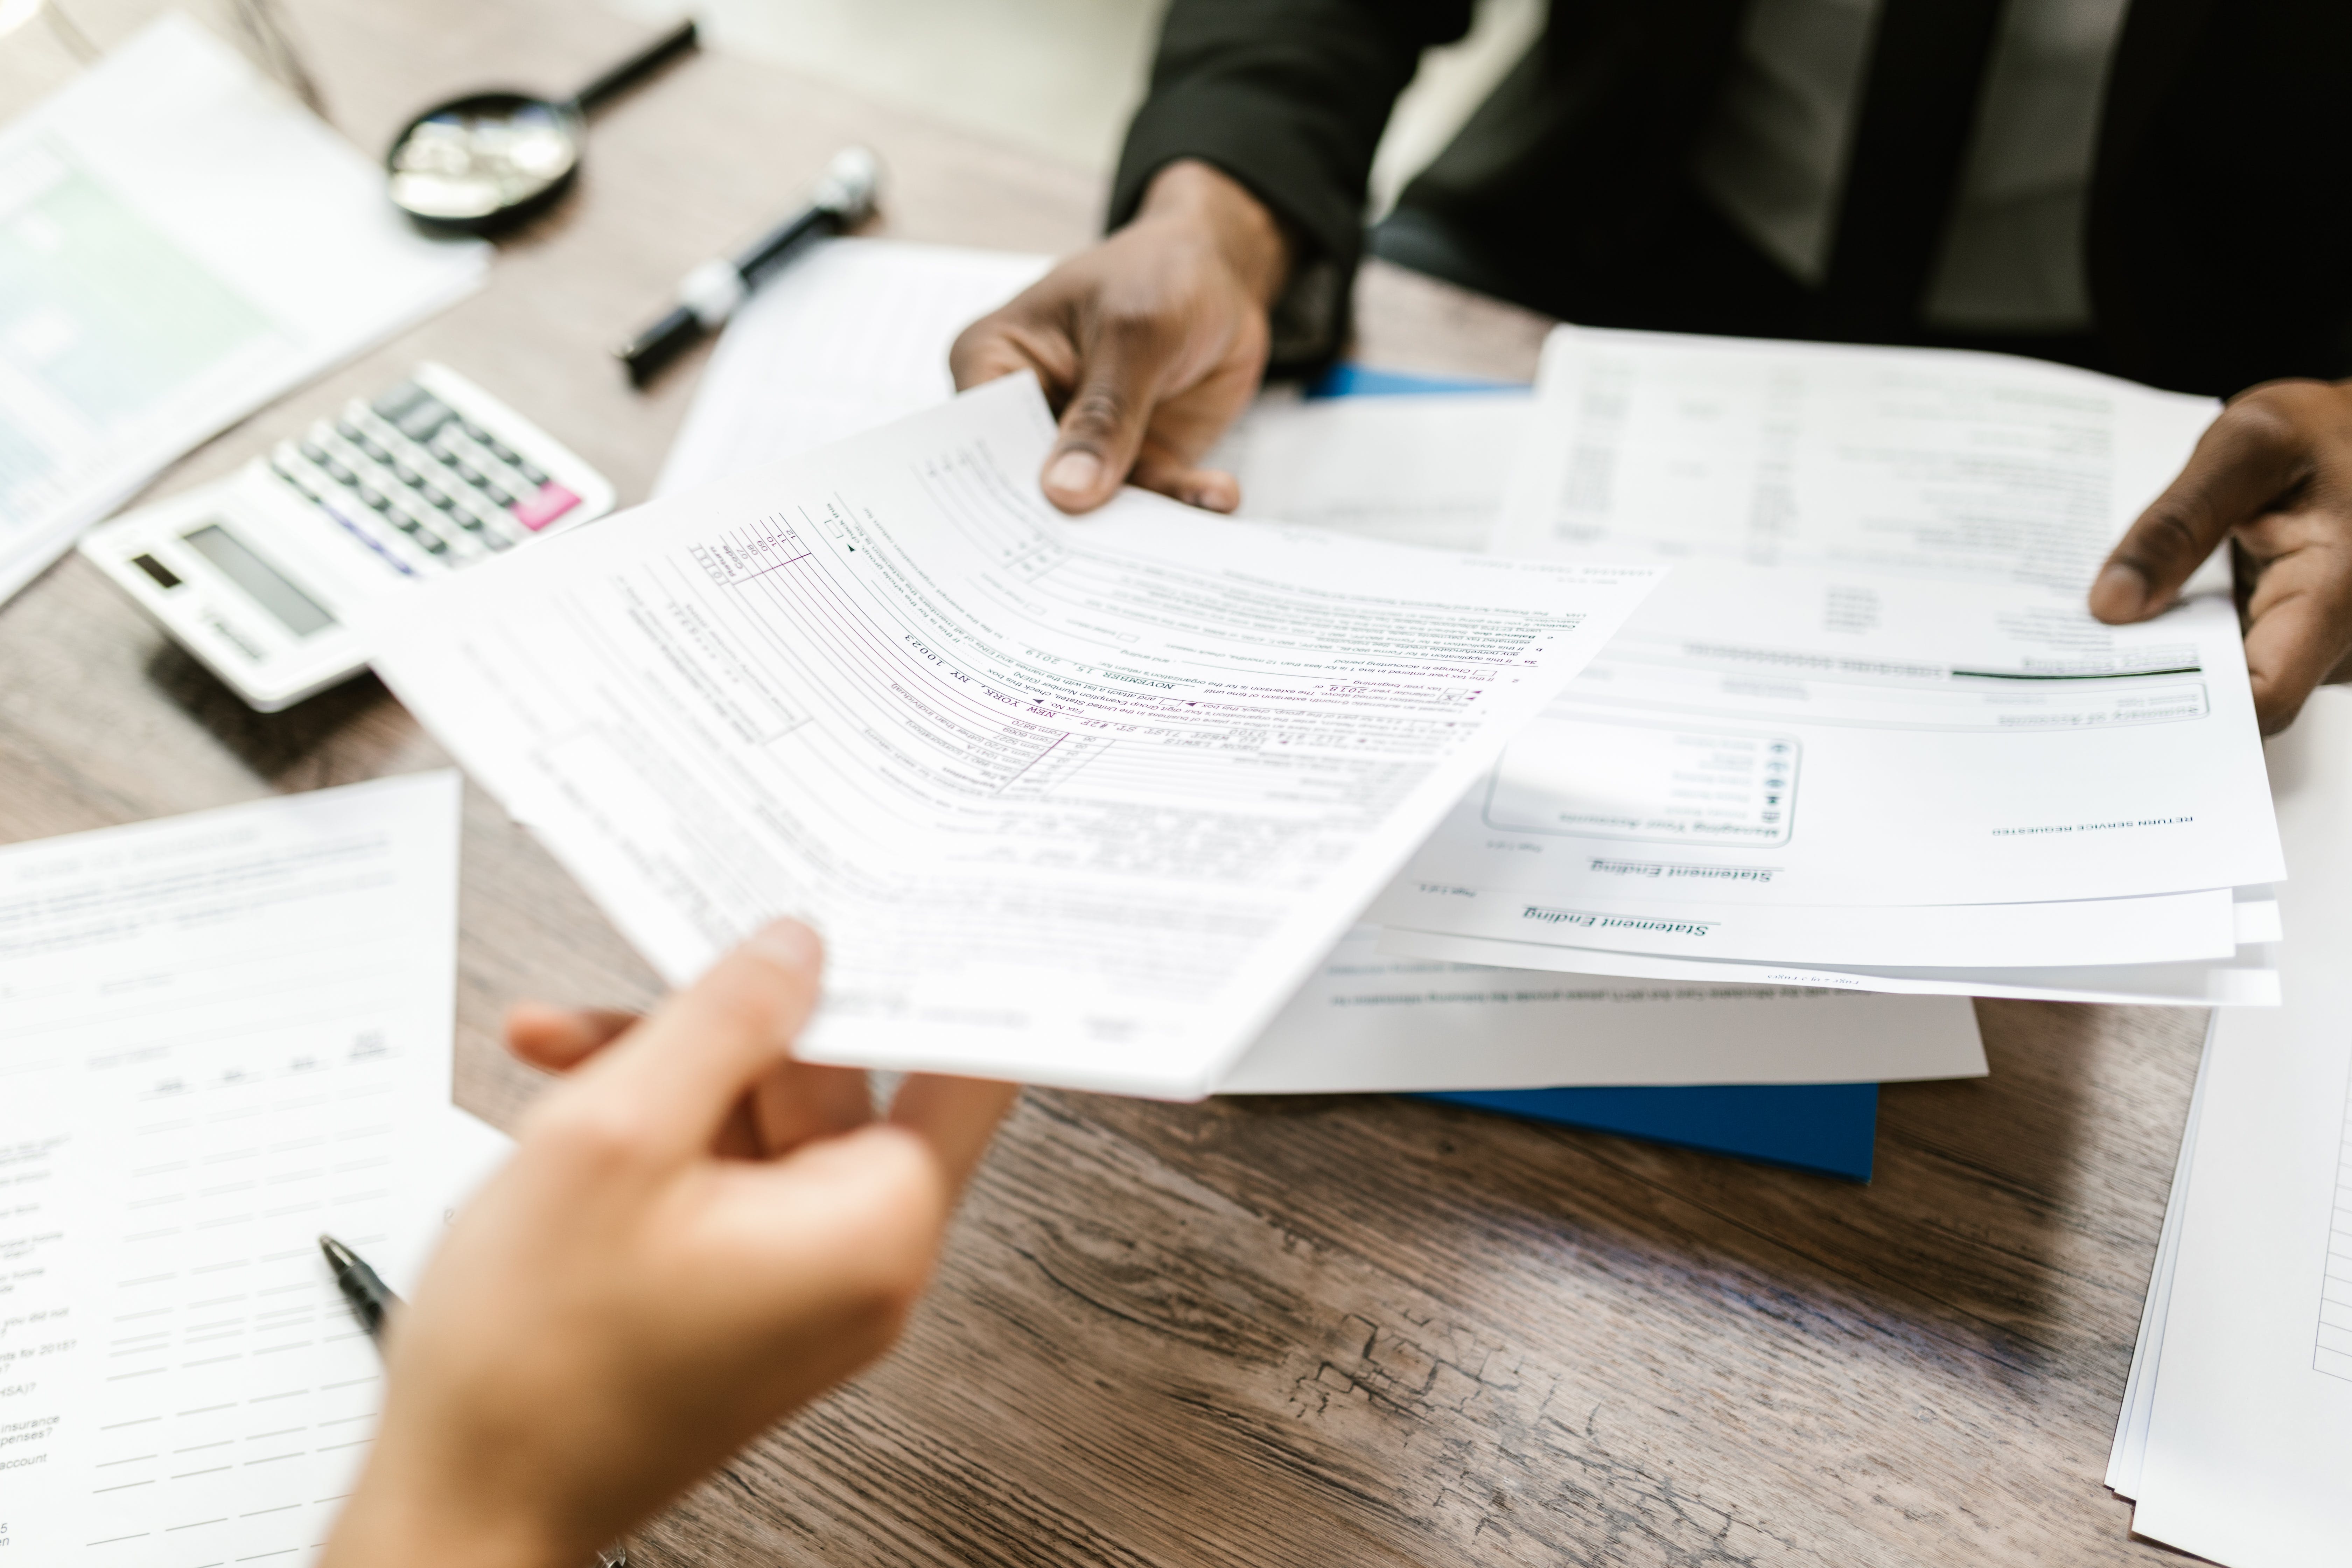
x=2248 y=458
x=1013 y=338
x=678 y=1078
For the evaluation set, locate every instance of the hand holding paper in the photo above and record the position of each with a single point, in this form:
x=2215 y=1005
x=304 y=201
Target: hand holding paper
x=696 y=1235
x=2274 y=474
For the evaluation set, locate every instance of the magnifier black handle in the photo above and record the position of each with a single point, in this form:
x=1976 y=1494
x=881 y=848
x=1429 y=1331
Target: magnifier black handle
x=637 y=66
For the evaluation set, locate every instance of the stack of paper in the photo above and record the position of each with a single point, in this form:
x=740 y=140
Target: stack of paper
x=2236 y=1434
x=1363 y=1021
x=180 y=242
x=1866 y=736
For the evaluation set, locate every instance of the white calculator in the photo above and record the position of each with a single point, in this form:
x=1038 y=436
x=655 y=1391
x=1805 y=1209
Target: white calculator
x=256 y=575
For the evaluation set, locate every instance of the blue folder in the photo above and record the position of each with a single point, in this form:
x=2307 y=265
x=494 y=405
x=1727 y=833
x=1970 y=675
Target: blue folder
x=1824 y=1127
x=1827 y=1128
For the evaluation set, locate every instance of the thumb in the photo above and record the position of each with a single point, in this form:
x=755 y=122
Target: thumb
x=683 y=1073
x=1103 y=426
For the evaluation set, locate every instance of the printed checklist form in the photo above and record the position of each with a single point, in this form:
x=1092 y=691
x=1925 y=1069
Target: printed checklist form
x=1073 y=801
x=220 y=1036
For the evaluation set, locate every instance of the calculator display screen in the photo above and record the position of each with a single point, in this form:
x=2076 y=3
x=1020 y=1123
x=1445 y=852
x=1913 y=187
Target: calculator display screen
x=296 y=610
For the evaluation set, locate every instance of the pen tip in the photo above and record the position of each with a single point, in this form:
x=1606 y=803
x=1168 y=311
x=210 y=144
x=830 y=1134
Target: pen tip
x=337 y=1253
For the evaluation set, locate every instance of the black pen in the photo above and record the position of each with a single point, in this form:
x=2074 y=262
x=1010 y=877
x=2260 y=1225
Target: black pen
x=710 y=294
x=371 y=1300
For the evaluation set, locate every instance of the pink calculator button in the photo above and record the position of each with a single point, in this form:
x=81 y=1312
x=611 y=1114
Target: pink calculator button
x=552 y=502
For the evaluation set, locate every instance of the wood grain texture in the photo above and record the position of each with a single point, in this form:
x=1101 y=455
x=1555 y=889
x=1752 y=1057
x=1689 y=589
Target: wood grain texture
x=1302 y=1330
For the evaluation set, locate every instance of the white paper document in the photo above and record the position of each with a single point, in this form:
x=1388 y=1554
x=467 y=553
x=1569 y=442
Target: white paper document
x=2245 y=1444
x=1075 y=802
x=180 y=242
x=853 y=334
x=1859 y=705
x=223 y=1034
x=1368 y=1023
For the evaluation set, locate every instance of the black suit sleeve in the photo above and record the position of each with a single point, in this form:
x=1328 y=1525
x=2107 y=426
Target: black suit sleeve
x=1290 y=98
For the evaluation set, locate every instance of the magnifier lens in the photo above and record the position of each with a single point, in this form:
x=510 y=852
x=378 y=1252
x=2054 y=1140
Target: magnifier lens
x=469 y=161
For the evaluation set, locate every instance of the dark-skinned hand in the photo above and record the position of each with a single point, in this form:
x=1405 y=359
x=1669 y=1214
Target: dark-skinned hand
x=1148 y=345
x=2273 y=476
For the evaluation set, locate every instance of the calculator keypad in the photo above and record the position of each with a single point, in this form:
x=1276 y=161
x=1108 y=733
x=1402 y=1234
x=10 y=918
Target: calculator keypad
x=421 y=484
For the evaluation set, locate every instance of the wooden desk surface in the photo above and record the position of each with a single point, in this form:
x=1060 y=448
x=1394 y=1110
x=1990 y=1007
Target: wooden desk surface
x=1301 y=1330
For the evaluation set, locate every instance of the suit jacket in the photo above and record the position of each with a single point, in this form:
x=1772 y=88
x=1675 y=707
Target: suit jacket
x=2218 y=250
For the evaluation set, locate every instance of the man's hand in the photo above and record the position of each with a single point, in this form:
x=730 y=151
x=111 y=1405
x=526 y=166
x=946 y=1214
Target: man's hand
x=1150 y=344
x=2274 y=473
x=696 y=1234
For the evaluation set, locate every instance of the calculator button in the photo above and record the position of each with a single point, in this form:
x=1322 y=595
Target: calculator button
x=435 y=495
x=285 y=471
x=374 y=497
x=496 y=494
x=552 y=502
x=423 y=418
x=532 y=473
x=393 y=404
x=337 y=469
x=404 y=473
x=477 y=434
x=316 y=453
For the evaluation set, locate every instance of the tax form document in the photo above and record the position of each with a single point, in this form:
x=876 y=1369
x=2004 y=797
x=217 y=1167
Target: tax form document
x=1368 y=1023
x=180 y=242
x=1078 y=802
x=220 y=1035
x=2247 y=1456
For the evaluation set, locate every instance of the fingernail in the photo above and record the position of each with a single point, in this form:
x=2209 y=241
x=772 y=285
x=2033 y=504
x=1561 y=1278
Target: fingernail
x=1074 y=473
x=789 y=944
x=2120 y=591
x=1216 y=497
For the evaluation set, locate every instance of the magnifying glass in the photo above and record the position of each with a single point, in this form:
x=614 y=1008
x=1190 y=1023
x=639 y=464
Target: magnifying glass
x=493 y=158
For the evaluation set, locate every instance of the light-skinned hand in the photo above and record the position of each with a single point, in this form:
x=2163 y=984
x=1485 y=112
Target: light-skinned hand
x=696 y=1235
x=1148 y=345
x=2274 y=474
